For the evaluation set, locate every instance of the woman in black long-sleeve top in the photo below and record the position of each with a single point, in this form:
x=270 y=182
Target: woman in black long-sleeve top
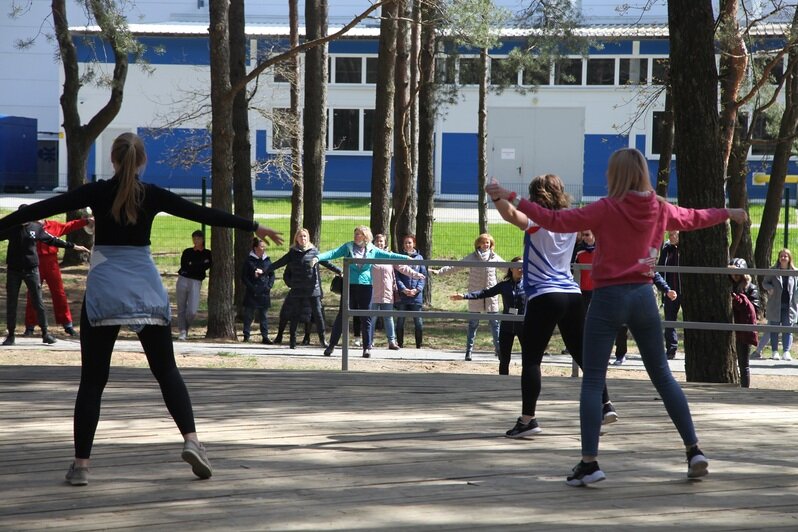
x=124 y=288
x=513 y=298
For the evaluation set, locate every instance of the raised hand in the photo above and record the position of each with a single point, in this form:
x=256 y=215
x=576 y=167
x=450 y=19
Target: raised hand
x=267 y=233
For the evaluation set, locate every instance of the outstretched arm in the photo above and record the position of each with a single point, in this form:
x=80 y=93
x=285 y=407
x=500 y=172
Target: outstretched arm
x=69 y=201
x=173 y=204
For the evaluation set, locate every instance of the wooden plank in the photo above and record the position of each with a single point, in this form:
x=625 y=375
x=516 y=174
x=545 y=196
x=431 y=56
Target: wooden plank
x=312 y=450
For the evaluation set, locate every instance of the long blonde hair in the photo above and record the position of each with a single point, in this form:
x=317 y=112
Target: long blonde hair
x=627 y=170
x=128 y=156
x=787 y=252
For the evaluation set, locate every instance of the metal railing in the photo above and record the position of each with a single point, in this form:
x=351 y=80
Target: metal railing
x=346 y=312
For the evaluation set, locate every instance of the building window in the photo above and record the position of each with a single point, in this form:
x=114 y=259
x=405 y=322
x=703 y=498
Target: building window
x=349 y=70
x=368 y=130
x=346 y=130
x=470 y=73
x=633 y=72
x=763 y=137
x=503 y=73
x=568 y=72
x=656 y=132
x=659 y=70
x=601 y=71
x=538 y=74
x=282 y=72
x=371 y=70
x=281 y=128
x=445 y=70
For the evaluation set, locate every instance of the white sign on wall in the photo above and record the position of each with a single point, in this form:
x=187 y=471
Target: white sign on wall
x=508 y=153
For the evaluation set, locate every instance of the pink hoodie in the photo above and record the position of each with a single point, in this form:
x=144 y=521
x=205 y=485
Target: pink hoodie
x=628 y=231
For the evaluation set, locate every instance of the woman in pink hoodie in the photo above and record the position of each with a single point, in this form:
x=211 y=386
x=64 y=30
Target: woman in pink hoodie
x=628 y=225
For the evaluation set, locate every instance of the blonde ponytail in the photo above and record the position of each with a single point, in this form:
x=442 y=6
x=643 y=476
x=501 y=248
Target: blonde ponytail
x=128 y=156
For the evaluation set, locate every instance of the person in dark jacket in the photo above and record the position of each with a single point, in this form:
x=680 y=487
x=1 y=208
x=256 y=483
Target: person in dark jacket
x=194 y=262
x=669 y=256
x=23 y=266
x=746 y=309
x=258 y=282
x=511 y=290
x=303 y=302
x=410 y=293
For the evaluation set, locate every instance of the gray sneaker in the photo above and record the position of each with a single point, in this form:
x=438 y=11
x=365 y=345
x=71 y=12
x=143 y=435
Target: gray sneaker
x=77 y=476
x=194 y=454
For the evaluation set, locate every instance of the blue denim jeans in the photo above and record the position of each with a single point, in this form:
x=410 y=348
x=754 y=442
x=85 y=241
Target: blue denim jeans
x=786 y=338
x=390 y=332
x=472 y=333
x=636 y=306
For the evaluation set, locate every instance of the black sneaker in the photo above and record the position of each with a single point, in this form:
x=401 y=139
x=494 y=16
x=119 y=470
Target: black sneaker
x=671 y=353
x=328 y=350
x=28 y=332
x=609 y=414
x=266 y=341
x=697 y=463
x=522 y=430
x=71 y=331
x=584 y=474
x=366 y=353
x=10 y=340
x=467 y=356
x=48 y=338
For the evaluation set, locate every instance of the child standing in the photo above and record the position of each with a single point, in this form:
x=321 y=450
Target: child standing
x=511 y=290
x=745 y=306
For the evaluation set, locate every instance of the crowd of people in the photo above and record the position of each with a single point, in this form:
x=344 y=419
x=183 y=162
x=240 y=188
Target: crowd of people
x=620 y=236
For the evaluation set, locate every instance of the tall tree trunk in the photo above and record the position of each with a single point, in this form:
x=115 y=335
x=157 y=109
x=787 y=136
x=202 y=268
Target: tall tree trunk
x=482 y=142
x=383 y=124
x=415 y=47
x=741 y=243
x=426 y=139
x=315 y=120
x=733 y=63
x=666 y=134
x=220 y=288
x=781 y=158
x=80 y=137
x=297 y=180
x=709 y=354
x=403 y=179
x=242 y=150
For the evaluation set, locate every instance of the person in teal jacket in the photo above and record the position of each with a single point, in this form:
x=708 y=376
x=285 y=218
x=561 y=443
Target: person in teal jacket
x=359 y=282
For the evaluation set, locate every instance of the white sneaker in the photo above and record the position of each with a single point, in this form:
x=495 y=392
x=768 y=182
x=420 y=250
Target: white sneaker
x=775 y=356
x=358 y=343
x=183 y=335
x=787 y=356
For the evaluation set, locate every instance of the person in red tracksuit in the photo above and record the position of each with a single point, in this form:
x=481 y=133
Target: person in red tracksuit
x=50 y=273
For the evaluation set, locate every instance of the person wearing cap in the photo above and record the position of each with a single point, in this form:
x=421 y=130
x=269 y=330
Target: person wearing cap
x=746 y=309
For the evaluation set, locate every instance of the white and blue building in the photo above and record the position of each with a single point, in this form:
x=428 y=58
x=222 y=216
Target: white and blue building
x=566 y=122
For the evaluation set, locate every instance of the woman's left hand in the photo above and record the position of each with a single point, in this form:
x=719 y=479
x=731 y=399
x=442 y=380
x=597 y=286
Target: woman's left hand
x=267 y=233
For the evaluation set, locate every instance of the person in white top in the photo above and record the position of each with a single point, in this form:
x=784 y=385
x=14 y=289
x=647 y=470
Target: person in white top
x=553 y=299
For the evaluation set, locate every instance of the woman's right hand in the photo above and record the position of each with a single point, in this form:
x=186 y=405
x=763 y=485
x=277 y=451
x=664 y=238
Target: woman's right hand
x=267 y=233
x=737 y=215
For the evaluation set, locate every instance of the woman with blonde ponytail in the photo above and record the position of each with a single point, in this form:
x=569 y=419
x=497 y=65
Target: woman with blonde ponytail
x=124 y=288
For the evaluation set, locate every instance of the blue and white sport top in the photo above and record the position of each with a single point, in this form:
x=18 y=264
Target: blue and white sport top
x=547 y=262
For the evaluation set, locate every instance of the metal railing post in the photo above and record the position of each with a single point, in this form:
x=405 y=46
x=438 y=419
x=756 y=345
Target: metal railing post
x=345 y=318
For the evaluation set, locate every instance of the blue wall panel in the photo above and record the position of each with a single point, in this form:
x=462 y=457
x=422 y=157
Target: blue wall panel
x=159 y=50
x=598 y=149
x=459 y=163
x=655 y=47
x=342 y=173
x=359 y=46
x=167 y=147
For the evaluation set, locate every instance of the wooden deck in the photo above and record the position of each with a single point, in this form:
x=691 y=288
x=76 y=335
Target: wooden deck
x=365 y=451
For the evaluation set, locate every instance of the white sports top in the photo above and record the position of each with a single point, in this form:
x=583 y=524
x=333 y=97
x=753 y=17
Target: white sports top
x=547 y=262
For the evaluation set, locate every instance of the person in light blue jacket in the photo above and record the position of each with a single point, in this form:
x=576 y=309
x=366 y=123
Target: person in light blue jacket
x=359 y=282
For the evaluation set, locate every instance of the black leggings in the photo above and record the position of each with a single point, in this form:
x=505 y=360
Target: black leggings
x=567 y=312
x=743 y=356
x=508 y=331
x=96 y=347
